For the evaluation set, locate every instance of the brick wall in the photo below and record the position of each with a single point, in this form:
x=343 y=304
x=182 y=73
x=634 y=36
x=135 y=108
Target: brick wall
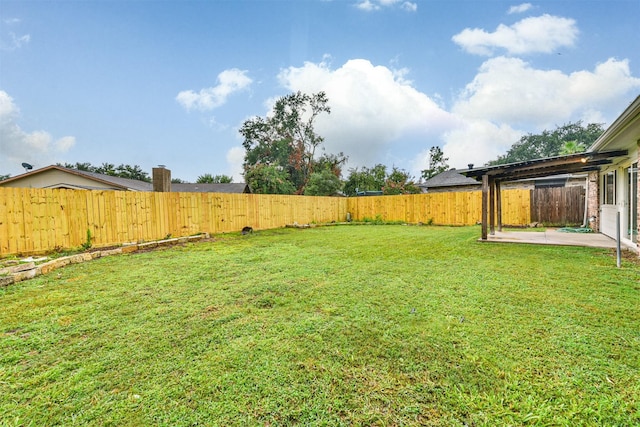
x=593 y=197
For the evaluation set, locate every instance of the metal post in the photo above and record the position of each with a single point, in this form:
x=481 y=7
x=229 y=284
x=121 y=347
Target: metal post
x=618 y=254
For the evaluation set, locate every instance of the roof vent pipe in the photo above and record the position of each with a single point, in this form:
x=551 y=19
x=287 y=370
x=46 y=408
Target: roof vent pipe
x=470 y=165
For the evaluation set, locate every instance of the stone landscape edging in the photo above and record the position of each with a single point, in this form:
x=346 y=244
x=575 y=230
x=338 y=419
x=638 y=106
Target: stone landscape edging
x=29 y=270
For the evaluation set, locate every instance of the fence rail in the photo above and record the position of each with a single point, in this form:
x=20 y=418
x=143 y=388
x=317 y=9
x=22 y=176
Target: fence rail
x=42 y=220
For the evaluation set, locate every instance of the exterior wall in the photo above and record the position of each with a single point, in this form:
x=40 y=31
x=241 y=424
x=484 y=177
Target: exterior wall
x=593 y=197
x=609 y=212
x=56 y=179
x=457 y=188
x=514 y=185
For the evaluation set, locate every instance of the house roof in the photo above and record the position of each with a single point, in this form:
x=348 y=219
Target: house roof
x=125 y=183
x=211 y=188
x=114 y=181
x=118 y=183
x=450 y=178
x=622 y=132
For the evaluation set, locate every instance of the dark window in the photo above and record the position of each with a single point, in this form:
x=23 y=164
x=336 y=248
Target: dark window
x=609 y=193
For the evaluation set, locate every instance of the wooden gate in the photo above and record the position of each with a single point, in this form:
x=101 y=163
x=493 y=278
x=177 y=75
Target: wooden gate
x=559 y=206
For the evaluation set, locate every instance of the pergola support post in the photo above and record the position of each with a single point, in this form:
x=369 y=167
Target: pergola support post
x=499 y=205
x=485 y=200
x=492 y=206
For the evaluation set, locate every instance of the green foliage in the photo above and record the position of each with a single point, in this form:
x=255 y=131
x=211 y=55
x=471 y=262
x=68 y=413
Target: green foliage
x=400 y=182
x=365 y=179
x=122 y=171
x=88 y=243
x=3 y=177
x=207 y=178
x=551 y=143
x=572 y=147
x=286 y=140
x=333 y=326
x=437 y=163
x=323 y=183
x=268 y=179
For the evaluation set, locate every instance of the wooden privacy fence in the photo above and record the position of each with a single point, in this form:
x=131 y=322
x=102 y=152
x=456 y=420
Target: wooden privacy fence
x=450 y=208
x=558 y=206
x=42 y=220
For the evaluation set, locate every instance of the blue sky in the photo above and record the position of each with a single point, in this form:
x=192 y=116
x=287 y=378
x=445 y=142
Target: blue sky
x=170 y=82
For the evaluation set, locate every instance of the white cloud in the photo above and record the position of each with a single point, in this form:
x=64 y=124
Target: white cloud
x=372 y=5
x=542 y=34
x=229 y=82
x=10 y=41
x=367 y=5
x=497 y=108
x=17 y=146
x=549 y=97
x=409 y=6
x=15 y=42
x=477 y=142
x=235 y=159
x=372 y=109
x=521 y=8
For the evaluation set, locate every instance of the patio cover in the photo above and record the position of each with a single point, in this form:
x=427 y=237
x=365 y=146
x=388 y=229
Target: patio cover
x=492 y=176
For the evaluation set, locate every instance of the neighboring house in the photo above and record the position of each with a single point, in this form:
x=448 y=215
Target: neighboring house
x=211 y=188
x=447 y=181
x=618 y=182
x=60 y=177
x=454 y=180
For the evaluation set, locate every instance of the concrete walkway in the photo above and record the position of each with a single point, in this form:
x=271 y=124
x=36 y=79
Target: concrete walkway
x=554 y=237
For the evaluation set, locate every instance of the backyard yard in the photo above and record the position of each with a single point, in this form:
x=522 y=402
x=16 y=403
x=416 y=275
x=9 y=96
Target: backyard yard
x=348 y=325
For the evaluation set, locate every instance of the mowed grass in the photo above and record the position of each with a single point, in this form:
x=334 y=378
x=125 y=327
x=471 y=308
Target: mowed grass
x=349 y=325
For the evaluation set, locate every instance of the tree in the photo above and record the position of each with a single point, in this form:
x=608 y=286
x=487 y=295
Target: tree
x=79 y=166
x=268 y=179
x=3 y=177
x=207 y=178
x=132 y=172
x=400 y=182
x=437 y=163
x=106 y=169
x=286 y=142
x=365 y=179
x=572 y=147
x=323 y=183
x=122 y=171
x=550 y=143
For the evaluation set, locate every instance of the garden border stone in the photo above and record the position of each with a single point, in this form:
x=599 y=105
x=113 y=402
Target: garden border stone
x=15 y=273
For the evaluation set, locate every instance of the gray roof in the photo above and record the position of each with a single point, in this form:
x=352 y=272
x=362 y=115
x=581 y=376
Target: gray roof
x=450 y=178
x=211 y=188
x=129 y=184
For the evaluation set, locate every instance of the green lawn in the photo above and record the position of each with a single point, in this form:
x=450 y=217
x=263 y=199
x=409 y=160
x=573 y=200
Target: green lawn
x=347 y=325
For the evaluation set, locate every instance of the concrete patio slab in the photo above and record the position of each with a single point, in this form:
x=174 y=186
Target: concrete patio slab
x=555 y=237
